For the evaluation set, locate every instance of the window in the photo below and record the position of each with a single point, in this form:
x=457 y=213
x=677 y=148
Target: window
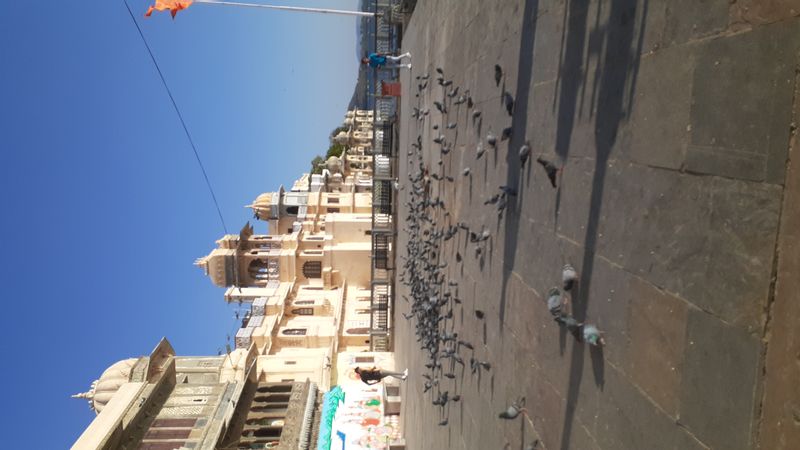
x=291 y=210
x=368 y=232
x=312 y=269
x=333 y=210
x=362 y=311
x=168 y=434
x=290 y=363
x=173 y=423
x=333 y=199
x=294 y=332
x=303 y=302
x=289 y=230
x=364 y=359
x=303 y=311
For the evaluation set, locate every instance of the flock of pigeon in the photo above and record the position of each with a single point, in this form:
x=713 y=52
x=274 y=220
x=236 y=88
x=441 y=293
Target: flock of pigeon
x=434 y=293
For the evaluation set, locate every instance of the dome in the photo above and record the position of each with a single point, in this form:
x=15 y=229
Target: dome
x=262 y=205
x=104 y=388
x=264 y=200
x=334 y=164
x=342 y=138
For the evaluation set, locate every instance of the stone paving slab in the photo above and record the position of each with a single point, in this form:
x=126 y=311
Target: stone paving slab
x=672 y=121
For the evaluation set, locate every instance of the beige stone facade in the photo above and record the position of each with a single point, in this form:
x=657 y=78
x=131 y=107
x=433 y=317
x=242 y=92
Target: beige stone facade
x=306 y=283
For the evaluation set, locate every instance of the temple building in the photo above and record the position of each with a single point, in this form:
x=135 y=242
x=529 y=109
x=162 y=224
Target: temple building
x=307 y=285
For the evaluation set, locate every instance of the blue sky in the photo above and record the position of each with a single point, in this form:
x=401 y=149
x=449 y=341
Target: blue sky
x=104 y=206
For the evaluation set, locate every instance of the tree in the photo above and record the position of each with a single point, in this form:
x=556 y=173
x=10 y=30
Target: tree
x=337 y=130
x=316 y=167
x=335 y=150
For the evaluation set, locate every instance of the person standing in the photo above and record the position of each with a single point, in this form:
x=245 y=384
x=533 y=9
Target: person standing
x=380 y=60
x=375 y=375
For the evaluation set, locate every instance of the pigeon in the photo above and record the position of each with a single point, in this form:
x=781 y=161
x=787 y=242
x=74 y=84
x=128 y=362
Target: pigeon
x=449 y=178
x=436 y=127
x=506 y=134
x=461 y=99
x=498 y=74
x=455 y=398
x=524 y=154
x=466 y=171
x=476 y=114
x=447 y=83
x=491 y=139
x=451 y=125
x=458 y=257
x=450 y=375
x=508 y=100
x=550 y=168
x=501 y=205
x=533 y=445
x=479 y=314
x=439 y=71
x=485 y=365
x=440 y=107
x=514 y=410
x=465 y=344
x=555 y=302
x=492 y=200
x=593 y=336
x=569 y=276
x=507 y=190
x=443 y=423
x=439 y=139
x=568 y=322
x=470 y=104
x=480 y=151
x=453 y=92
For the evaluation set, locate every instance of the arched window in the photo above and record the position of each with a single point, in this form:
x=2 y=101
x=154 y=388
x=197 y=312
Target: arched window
x=312 y=269
x=303 y=311
x=294 y=332
x=291 y=210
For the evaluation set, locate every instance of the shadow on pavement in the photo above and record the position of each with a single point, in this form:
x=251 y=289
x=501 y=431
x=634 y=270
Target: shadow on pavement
x=617 y=67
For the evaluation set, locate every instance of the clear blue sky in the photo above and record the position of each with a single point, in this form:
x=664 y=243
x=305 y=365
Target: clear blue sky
x=104 y=207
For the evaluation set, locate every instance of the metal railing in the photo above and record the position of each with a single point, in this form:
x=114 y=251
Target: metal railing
x=386 y=40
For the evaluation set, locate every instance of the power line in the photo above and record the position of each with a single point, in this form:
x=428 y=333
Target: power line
x=180 y=116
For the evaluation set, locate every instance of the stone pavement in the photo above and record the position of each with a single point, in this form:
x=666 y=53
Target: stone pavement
x=674 y=121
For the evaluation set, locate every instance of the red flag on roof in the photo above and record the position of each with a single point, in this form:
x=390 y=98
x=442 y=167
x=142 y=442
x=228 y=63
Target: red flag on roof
x=172 y=5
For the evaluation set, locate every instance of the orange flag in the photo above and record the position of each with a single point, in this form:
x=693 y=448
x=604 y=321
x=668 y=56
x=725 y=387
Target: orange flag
x=172 y=5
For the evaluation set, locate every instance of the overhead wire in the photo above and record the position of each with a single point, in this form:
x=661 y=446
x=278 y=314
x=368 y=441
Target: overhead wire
x=180 y=116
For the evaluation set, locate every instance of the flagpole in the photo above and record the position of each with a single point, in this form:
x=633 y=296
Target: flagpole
x=289 y=8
